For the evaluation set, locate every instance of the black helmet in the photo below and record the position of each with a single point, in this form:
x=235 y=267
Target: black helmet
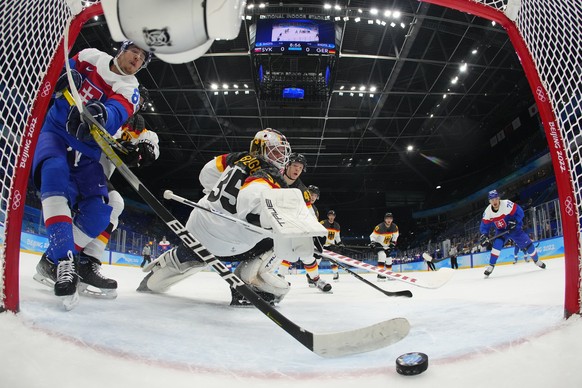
x=388 y=215
x=299 y=158
x=314 y=189
x=331 y=212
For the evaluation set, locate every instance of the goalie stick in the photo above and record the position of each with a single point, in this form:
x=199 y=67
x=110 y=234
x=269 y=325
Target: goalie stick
x=436 y=279
x=326 y=345
x=337 y=344
x=168 y=194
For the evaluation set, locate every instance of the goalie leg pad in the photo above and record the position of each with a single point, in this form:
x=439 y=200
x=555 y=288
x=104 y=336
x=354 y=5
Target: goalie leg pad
x=167 y=270
x=259 y=274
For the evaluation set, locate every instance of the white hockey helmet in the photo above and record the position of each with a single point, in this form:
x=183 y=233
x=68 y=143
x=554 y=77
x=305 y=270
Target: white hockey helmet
x=176 y=32
x=273 y=146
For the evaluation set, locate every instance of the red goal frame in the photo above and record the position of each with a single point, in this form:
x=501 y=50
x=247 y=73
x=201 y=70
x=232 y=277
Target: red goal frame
x=17 y=198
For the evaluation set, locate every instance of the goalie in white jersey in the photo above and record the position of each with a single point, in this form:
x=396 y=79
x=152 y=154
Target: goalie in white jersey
x=233 y=184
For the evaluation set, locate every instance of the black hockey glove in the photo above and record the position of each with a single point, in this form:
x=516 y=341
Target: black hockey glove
x=511 y=224
x=130 y=159
x=483 y=239
x=63 y=82
x=80 y=129
x=376 y=246
x=341 y=244
x=146 y=154
x=392 y=245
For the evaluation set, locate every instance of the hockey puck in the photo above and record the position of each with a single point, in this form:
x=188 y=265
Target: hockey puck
x=410 y=364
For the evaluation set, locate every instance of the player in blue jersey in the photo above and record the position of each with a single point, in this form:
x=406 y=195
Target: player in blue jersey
x=504 y=215
x=66 y=164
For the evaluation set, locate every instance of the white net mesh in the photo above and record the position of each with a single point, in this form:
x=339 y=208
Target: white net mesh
x=30 y=33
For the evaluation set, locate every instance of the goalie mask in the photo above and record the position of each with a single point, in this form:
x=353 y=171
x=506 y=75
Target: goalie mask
x=272 y=146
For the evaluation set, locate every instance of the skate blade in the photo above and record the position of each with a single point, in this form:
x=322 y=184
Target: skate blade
x=70 y=301
x=44 y=280
x=97 y=293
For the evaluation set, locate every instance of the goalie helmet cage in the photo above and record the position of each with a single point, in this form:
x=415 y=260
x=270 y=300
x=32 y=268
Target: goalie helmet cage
x=545 y=36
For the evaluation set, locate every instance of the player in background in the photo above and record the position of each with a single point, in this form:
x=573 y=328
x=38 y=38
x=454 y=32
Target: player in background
x=66 y=166
x=233 y=184
x=504 y=215
x=383 y=243
x=143 y=147
x=296 y=166
x=333 y=239
x=164 y=245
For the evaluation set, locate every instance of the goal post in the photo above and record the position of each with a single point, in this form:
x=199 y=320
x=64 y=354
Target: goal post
x=31 y=59
x=546 y=36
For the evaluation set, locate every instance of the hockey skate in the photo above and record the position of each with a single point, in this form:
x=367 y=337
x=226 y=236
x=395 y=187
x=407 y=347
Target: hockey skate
x=488 y=270
x=381 y=278
x=336 y=277
x=66 y=281
x=322 y=285
x=238 y=300
x=46 y=271
x=92 y=282
x=310 y=282
x=540 y=264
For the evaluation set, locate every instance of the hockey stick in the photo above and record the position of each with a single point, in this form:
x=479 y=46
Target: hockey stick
x=436 y=280
x=405 y=293
x=326 y=345
x=496 y=236
x=428 y=257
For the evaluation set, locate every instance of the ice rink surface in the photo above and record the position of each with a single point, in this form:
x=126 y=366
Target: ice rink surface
x=505 y=331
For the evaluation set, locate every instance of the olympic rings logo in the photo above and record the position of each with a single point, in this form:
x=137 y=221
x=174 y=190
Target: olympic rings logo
x=541 y=94
x=569 y=206
x=16 y=200
x=46 y=90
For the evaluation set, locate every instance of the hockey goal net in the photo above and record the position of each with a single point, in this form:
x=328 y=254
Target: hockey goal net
x=545 y=34
x=31 y=59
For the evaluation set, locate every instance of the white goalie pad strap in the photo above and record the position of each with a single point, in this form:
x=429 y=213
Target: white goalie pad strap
x=259 y=273
x=285 y=212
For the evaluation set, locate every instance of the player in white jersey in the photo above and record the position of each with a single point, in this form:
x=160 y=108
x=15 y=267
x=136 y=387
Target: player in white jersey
x=333 y=239
x=383 y=243
x=233 y=184
x=66 y=165
x=505 y=216
x=296 y=166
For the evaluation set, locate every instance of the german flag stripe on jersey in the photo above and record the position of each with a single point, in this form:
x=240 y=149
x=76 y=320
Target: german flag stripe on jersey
x=264 y=180
x=221 y=162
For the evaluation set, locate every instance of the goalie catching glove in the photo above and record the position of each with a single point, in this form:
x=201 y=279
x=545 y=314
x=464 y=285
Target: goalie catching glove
x=80 y=129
